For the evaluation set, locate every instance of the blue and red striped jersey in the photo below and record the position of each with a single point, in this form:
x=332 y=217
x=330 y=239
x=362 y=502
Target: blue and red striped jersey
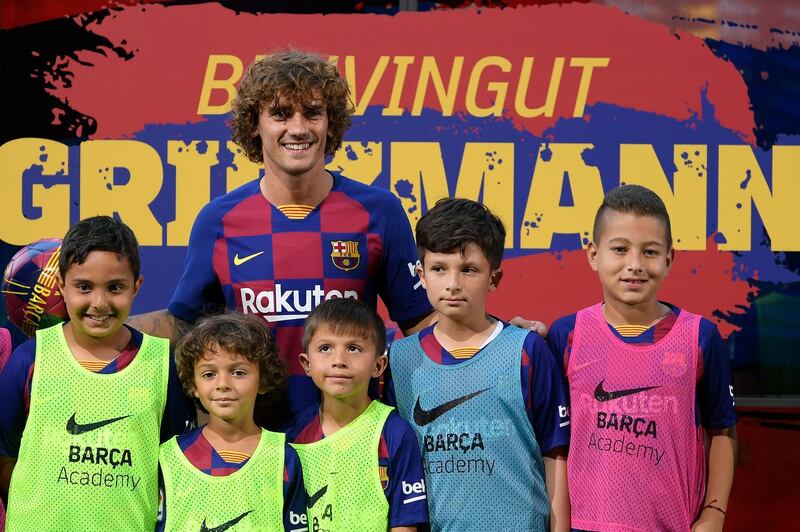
x=245 y=254
x=399 y=463
x=714 y=399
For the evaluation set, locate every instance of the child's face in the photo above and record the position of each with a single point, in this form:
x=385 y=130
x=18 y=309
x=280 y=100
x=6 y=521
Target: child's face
x=457 y=285
x=341 y=365
x=631 y=258
x=227 y=385
x=99 y=293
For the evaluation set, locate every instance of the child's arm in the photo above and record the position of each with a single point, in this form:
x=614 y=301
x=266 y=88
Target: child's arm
x=294 y=492
x=555 y=470
x=408 y=508
x=721 y=462
x=14 y=396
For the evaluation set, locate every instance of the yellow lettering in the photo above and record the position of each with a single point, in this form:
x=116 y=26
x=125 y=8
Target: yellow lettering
x=588 y=64
x=429 y=73
x=638 y=164
x=741 y=182
x=498 y=87
x=362 y=161
x=100 y=194
x=490 y=167
x=417 y=167
x=402 y=62
x=552 y=90
x=544 y=215
x=361 y=103
x=16 y=157
x=192 y=164
x=242 y=170
x=227 y=84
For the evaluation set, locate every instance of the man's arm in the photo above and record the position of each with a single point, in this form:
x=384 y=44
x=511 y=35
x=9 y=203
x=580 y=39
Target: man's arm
x=413 y=326
x=7 y=464
x=721 y=464
x=555 y=472
x=160 y=323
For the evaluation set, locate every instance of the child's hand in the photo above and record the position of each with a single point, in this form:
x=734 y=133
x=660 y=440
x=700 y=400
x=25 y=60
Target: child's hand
x=710 y=521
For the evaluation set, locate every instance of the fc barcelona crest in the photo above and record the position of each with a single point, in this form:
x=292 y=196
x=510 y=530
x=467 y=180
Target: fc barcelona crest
x=344 y=254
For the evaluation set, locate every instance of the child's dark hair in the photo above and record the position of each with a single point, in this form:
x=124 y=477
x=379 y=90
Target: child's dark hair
x=243 y=334
x=634 y=199
x=98 y=233
x=454 y=223
x=346 y=316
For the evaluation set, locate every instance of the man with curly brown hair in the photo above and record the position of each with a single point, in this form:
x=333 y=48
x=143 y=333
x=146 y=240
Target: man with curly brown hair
x=300 y=235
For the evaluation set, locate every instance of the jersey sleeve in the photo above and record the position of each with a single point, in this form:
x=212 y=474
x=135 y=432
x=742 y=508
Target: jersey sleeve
x=15 y=396
x=558 y=339
x=294 y=492
x=180 y=414
x=405 y=490
x=549 y=396
x=198 y=291
x=715 y=389
x=400 y=288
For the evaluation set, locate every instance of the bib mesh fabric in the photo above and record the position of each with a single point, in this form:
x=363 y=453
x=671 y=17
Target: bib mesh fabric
x=249 y=499
x=483 y=466
x=89 y=454
x=636 y=458
x=342 y=478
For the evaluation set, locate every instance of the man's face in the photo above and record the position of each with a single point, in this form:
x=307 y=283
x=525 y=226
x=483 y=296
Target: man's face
x=293 y=137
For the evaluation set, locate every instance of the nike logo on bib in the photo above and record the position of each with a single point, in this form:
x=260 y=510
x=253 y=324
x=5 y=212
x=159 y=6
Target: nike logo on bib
x=422 y=417
x=239 y=261
x=223 y=526
x=75 y=428
x=311 y=500
x=601 y=395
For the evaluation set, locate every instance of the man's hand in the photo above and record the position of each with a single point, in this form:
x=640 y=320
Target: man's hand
x=536 y=326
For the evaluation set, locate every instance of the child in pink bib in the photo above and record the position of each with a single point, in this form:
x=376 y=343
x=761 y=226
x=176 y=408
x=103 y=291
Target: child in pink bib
x=648 y=382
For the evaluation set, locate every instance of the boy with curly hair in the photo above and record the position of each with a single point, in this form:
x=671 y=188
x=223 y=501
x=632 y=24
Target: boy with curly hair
x=230 y=471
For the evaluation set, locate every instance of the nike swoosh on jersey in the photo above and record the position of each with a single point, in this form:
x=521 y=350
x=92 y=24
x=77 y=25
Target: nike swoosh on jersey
x=75 y=428
x=311 y=500
x=223 y=526
x=601 y=395
x=238 y=261
x=422 y=417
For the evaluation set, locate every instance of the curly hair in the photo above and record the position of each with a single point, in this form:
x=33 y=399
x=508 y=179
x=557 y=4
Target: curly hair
x=299 y=77
x=244 y=335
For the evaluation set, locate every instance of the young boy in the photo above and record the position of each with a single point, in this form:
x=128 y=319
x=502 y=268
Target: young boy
x=360 y=459
x=645 y=378
x=83 y=401
x=485 y=398
x=230 y=471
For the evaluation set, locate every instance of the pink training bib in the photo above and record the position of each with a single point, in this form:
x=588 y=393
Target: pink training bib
x=636 y=458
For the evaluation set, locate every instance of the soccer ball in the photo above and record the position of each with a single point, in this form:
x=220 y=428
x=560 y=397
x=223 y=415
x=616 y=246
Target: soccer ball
x=31 y=293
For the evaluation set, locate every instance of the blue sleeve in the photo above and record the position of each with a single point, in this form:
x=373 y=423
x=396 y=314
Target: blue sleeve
x=400 y=288
x=180 y=414
x=549 y=396
x=198 y=291
x=13 y=382
x=161 y=515
x=294 y=493
x=388 y=397
x=715 y=389
x=558 y=338
x=405 y=491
